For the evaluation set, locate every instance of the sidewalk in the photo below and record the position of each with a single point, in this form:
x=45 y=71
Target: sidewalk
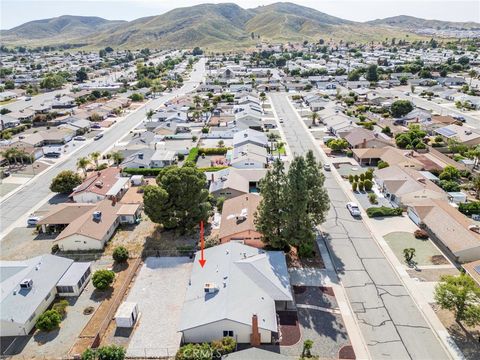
x=408 y=282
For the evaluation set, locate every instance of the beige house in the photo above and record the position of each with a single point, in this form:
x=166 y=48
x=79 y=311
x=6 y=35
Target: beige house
x=238 y=220
x=448 y=227
x=360 y=138
x=391 y=155
x=404 y=186
x=232 y=182
x=92 y=229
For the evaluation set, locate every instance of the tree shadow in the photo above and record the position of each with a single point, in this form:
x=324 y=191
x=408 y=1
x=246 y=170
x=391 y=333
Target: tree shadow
x=43 y=337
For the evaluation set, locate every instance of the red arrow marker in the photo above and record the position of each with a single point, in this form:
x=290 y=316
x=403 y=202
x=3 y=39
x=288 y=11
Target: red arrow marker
x=202 y=260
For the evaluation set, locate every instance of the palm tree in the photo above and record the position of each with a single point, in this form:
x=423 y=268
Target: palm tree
x=150 y=114
x=472 y=73
x=117 y=157
x=197 y=101
x=82 y=163
x=314 y=117
x=263 y=98
x=95 y=156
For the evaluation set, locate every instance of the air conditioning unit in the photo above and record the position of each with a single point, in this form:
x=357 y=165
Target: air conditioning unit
x=210 y=288
x=26 y=284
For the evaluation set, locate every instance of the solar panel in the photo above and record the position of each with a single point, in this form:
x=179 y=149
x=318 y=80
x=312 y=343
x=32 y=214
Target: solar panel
x=477 y=269
x=446 y=132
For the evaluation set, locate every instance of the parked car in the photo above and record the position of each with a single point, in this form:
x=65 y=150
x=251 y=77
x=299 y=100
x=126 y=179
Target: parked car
x=459 y=118
x=281 y=120
x=80 y=138
x=354 y=209
x=52 y=154
x=33 y=220
x=28 y=98
x=95 y=126
x=98 y=137
x=327 y=167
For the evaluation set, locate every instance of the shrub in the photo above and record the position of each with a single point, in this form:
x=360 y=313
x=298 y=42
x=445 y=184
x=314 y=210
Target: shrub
x=136 y=97
x=369 y=174
x=372 y=197
x=49 y=320
x=224 y=346
x=120 y=254
x=142 y=171
x=356 y=178
x=195 y=352
x=470 y=208
x=383 y=211
x=361 y=186
x=110 y=352
x=102 y=279
x=382 y=164
x=55 y=248
x=61 y=307
x=368 y=184
x=420 y=234
x=362 y=176
x=180 y=157
x=449 y=185
x=306 y=250
x=350 y=178
x=219 y=203
x=354 y=186
x=213 y=151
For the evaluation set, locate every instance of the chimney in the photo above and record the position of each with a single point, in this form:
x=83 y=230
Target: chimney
x=364 y=143
x=255 y=335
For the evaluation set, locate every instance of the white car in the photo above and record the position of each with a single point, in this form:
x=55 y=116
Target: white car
x=80 y=138
x=327 y=167
x=354 y=209
x=33 y=220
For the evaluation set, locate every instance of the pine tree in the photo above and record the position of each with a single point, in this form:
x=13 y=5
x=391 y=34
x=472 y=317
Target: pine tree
x=318 y=201
x=298 y=225
x=270 y=215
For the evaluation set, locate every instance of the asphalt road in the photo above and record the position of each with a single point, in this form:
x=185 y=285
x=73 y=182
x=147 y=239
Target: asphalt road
x=16 y=206
x=390 y=322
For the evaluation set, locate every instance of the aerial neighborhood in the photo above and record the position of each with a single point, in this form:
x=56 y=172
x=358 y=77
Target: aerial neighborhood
x=300 y=199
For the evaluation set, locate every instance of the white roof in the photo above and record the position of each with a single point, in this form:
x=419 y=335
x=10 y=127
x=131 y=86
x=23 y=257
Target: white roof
x=249 y=281
x=74 y=273
x=125 y=309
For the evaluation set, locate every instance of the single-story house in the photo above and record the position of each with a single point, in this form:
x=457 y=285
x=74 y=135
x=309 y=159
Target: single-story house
x=364 y=138
x=403 y=186
x=237 y=222
x=232 y=182
x=29 y=286
x=464 y=135
x=101 y=185
x=250 y=136
x=448 y=227
x=391 y=155
x=236 y=295
x=249 y=156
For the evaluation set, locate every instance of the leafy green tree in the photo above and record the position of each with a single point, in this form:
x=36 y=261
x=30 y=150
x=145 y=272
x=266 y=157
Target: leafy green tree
x=408 y=254
x=461 y=295
x=48 y=321
x=337 y=144
x=95 y=156
x=307 y=348
x=314 y=116
x=52 y=82
x=65 y=182
x=372 y=74
x=136 y=97
x=81 y=75
x=270 y=215
x=180 y=200
x=449 y=173
x=120 y=254
x=109 y=352
x=102 y=279
x=401 y=108
x=117 y=157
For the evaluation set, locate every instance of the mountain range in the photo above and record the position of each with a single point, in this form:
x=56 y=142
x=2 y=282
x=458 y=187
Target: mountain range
x=215 y=26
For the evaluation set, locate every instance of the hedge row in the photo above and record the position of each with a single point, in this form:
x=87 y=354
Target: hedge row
x=192 y=155
x=213 y=151
x=383 y=211
x=156 y=171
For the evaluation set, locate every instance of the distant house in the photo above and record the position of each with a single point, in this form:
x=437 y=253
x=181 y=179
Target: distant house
x=364 y=138
x=249 y=156
x=162 y=158
x=101 y=185
x=462 y=134
x=238 y=223
x=391 y=155
x=250 y=136
x=238 y=295
x=30 y=286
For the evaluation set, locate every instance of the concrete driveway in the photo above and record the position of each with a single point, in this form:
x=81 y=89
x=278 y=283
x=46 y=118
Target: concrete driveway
x=159 y=291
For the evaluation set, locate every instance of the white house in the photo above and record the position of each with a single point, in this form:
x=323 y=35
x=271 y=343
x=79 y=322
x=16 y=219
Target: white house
x=28 y=288
x=237 y=294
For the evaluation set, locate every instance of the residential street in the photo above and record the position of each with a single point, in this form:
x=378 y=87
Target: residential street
x=17 y=207
x=390 y=322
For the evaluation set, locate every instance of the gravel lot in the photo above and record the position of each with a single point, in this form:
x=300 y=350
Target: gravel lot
x=159 y=291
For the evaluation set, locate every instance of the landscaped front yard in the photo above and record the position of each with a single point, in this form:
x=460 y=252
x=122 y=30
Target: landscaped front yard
x=426 y=253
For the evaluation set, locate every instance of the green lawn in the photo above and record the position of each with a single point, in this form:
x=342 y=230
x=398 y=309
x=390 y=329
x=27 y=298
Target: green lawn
x=424 y=249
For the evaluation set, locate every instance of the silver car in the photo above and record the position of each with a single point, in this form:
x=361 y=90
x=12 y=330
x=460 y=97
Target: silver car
x=354 y=209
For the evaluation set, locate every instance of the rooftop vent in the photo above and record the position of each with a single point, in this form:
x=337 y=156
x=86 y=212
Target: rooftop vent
x=97 y=215
x=210 y=288
x=99 y=184
x=26 y=284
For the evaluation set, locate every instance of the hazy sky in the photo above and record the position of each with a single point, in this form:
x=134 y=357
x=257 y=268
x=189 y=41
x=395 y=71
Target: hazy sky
x=16 y=12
